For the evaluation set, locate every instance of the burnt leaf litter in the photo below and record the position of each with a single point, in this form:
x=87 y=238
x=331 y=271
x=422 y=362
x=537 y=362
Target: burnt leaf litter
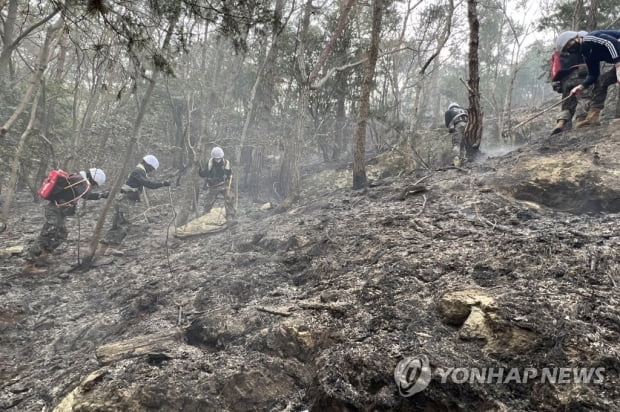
x=509 y=262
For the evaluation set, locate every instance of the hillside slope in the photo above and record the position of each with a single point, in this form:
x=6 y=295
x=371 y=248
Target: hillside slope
x=484 y=266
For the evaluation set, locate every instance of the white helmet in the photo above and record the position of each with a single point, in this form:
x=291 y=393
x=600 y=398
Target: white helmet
x=217 y=153
x=453 y=105
x=151 y=161
x=97 y=175
x=564 y=38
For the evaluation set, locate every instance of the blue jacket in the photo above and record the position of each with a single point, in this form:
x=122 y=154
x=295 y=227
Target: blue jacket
x=599 y=46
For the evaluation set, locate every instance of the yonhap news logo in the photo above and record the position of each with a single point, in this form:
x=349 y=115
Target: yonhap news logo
x=413 y=375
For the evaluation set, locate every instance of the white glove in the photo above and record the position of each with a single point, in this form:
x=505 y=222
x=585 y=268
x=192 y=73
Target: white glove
x=576 y=90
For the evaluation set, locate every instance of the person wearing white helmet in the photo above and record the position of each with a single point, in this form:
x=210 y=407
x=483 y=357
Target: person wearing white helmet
x=63 y=192
x=218 y=180
x=595 y=47
x=126 y=205
x=456 y=120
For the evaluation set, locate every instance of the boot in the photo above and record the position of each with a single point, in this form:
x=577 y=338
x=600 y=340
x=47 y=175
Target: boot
x=30 y=268
x=591 y=119
x=559 y=126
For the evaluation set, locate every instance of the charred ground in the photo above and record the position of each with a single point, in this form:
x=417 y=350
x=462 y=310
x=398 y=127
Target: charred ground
x=312 y=308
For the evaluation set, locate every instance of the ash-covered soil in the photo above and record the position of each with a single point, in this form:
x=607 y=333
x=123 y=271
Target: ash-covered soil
x=313 y=308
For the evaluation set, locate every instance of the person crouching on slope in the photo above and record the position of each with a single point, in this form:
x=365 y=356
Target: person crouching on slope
x=595 y=47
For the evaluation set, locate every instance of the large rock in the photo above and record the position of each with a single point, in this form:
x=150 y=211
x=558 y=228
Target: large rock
x=456 y=307
x=476 y=313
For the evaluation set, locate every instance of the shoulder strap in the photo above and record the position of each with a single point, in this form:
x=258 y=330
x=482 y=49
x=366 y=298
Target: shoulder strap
x=70 y=186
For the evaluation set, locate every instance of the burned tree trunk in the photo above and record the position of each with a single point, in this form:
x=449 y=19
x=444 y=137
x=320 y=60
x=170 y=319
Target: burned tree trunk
x=359 y=161
x=473 y=132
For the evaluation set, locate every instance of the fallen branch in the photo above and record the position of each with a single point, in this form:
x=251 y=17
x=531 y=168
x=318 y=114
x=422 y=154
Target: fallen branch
x=538 y=114
x=273 y=311
x=336 y=309
x=423 y=206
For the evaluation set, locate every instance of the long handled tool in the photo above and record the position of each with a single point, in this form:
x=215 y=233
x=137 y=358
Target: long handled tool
x=539 y=113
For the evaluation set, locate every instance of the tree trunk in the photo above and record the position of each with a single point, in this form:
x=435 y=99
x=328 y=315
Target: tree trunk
x=35 y=81
x=420 y=90
x=10 y=191
x=359 y=160
x=120 y=180
x=7 y=39
x=473 y=131
x=327 y=51
x=269 y=59
x=289 y=173
x=267 y=91
x=577 y=13
x=289 y=170
x=592 y=14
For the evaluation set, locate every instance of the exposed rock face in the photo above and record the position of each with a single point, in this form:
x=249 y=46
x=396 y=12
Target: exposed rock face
x=313 y=308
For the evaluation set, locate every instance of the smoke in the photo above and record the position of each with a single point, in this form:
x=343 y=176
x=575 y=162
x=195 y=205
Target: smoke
x=497 y=150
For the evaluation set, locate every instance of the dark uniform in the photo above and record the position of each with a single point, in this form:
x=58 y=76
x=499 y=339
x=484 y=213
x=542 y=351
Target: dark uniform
x=573 y=72
x=125 y=207
x=456 y=120
x=218 y=177
x=598 y=48
x=63 y=201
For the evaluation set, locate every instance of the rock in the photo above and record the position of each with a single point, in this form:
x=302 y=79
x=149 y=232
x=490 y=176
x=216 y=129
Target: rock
x=456 y=307
x=10 y=251
x=475 y=326
x=73 y=401
x=214 y=330
x=289 y=339
x=297 y=241
x=477 y=315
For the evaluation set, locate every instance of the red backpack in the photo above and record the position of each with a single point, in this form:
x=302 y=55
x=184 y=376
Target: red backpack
x=47 y=187
x=555 y=66
x=47 y=192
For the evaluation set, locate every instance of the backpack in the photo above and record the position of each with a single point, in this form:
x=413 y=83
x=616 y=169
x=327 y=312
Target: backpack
x=555 y=66
x=51 y=190
x=47 y=187
x=561 y=64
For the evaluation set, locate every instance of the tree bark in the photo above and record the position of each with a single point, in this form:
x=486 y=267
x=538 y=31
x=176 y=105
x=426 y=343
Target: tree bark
x=473 y=131
x=359 y=161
